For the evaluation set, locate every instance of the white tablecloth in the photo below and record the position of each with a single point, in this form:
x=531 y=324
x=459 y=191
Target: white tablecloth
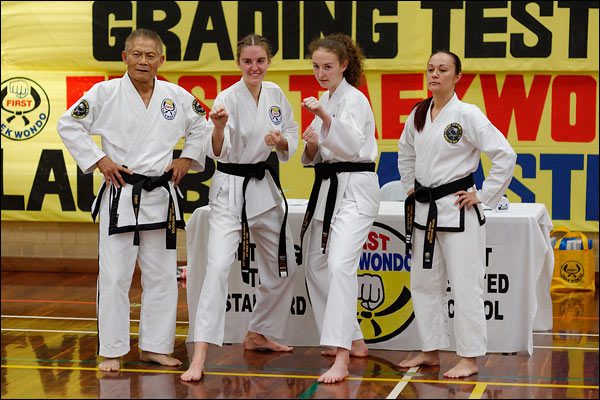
x=520 y=262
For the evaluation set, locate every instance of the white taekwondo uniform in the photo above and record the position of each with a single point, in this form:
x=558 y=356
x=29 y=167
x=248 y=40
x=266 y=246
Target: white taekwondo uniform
x=244 y=143
x=332 y=277
x=143 y=139
x=448 y=149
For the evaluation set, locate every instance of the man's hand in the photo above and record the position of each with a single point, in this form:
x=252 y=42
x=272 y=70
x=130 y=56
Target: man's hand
x=112 y=171
x=180 y=167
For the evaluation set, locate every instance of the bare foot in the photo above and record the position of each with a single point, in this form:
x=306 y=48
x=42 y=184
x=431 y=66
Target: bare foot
x=256 y=341
x=196 y=369
x=162 y=359
x=110 y=364
x=424 y=358
x=359 y=349
x=339 y=370
x=467 y=366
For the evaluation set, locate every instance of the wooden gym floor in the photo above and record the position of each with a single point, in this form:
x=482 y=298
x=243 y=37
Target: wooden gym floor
x=49 y=351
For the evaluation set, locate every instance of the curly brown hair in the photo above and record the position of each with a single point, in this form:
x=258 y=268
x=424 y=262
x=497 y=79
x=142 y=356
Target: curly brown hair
x=346 y=49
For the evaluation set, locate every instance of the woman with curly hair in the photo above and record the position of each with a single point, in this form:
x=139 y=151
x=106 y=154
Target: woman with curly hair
x=341 y=145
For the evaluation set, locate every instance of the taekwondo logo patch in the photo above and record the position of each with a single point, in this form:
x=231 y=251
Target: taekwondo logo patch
x=25 y=108
x=571 y=271
x=275 y=115
x=384 y=302
x=453 y=133
x=198 y=109
x=168 y=109
x=81 y=110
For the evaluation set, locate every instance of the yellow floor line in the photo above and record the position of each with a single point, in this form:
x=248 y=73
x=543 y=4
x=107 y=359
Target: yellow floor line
x=366 y=379
x=478 y=390
x=402 y=384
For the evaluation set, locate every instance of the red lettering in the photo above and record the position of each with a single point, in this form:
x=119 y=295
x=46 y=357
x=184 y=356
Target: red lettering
x=463 y=85
x=528 y=109
x=384 y=241
x=229 y=80
x=584 y=128
x=371 y=243
x=78 y=85
x=365 y=90
x=207 y=83
x=18 y=103
x=373 y=239
x=392 y=106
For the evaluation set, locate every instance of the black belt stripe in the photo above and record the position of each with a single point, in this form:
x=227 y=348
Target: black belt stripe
x=248 y=171
x=328 y=171
x=147 y=183
x=424 y=194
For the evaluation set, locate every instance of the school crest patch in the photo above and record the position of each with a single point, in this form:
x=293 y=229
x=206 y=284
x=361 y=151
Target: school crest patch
x=453 y=133
x=198 y=109
x=81 y=110
x=275 y=115
x=168 y=109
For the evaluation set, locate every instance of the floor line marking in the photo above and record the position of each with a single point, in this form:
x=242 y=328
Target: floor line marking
x=69 y=318
x=308 y=393
x=187 y=323
x=352 y=378
x=565 y=334
x=403 y=382
x=67 y=331
x=223 y=368
x=566 y=348
x=46 y=301
x=185 y=335
x=478 y=390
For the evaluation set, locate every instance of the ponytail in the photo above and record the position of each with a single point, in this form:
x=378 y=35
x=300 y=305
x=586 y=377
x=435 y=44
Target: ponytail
x=421 y=113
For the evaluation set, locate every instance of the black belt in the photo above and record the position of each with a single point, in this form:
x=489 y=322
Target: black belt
x=424 y=194
x=328 y=171
x=248 y=171
x=140 y=182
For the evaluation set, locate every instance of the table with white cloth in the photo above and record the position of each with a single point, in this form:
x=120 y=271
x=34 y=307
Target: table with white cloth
x=519 y=266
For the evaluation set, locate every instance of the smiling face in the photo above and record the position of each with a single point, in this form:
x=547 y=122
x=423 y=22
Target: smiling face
x=143 y=58
x=441 y=74
x=254 y=63
x=327 y=68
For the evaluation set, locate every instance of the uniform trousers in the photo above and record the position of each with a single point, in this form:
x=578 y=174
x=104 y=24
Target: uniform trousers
x=332 y=277
x=273 y=295
x=460 y=258
x=117 y=257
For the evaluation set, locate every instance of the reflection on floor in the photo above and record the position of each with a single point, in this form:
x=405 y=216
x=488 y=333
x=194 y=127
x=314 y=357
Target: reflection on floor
x=49 y=342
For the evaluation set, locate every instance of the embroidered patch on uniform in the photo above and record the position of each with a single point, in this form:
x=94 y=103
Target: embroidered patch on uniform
x=168 y=109
x=275 y=115
x=198 y=109
x=81 y=110
x=453 y=133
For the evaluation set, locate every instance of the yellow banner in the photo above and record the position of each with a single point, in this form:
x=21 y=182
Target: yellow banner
x=545 y=103
x=201 y=36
